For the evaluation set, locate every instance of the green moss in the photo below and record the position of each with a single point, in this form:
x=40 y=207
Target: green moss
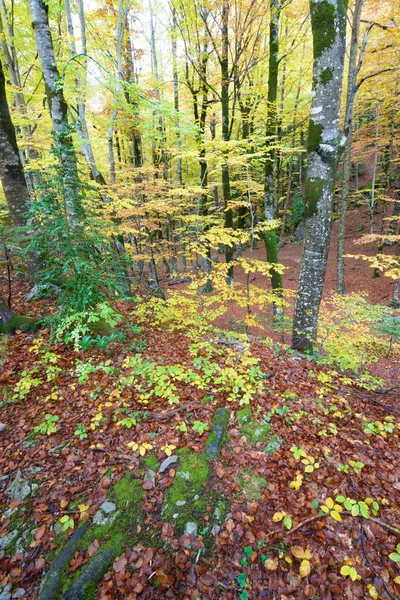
x=323 y=25
x=256 y=432
x=16 y=322
x=326 y=76
x=313 y=192
x=192 y=496
x=126 y=491
x=314 y=137
x=273 y=444
x=151 y=461
x=244 y=415
x=252 y=486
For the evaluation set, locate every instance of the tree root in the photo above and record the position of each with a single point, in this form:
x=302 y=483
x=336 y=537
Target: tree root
x=52 y=583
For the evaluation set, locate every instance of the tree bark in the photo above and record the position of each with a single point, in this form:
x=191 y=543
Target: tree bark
x=271 y=237
x=58 y=112
x=81 y=124
x=350 y=98
x=11 y=171
x=226 y=185
x=324 y=145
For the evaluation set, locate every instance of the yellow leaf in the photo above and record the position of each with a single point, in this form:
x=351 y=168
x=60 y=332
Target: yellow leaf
x=297 y=551
x=271 y=564
x=373 y=592
x=278 y=516
x=335 y=515
x=329 y=502
x=397 y=580
x=83 y=507
x=305 y=568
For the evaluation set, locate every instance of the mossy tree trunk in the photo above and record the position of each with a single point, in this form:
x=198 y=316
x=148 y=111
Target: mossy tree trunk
x=226 y=184
x=271 y=237
x=11 y=322
x=324 y=146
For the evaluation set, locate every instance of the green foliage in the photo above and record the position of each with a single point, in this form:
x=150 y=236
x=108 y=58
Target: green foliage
x=298 y=210
x=48 y=426
x=81 y=431
x=26 y=383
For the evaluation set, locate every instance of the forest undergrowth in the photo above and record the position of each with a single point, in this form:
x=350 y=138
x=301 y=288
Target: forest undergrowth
x=307 y=476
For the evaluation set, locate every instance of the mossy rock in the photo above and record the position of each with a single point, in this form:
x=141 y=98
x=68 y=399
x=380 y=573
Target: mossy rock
x=273 y=444
x=192 y=496
x=244 y=415
x=256 y=432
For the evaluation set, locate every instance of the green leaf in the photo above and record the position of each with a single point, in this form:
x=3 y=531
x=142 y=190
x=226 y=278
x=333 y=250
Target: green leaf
x=242 y=579
x=243 y=595
x=287 y=521
x=355 y=510
x=248 y=550
x=395 y=557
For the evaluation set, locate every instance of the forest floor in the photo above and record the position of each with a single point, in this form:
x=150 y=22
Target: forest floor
x=302 y=501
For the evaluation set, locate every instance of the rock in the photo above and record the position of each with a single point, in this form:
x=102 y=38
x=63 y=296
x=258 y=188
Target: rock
x=108 y=507
x=171 y=460
x=191 y=528
x=215 y=529
x=3 y=426
x=20 y=488
x=7 y=539
x=5 y=592
x=150 y=476
x=180 y=502
x=20 y=593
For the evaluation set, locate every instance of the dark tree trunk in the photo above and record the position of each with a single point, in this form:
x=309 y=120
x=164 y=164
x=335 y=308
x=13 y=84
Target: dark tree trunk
x=271 y=237
x=11 y=170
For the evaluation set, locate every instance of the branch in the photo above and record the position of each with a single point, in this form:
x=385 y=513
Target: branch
x=359 y=84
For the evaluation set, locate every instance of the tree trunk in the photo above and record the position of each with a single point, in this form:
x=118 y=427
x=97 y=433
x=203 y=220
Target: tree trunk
x=81 y=125
x=348 y=130
x=271 y=237
x=58 y=112
x=11 y=322
x=11 y=170
x=226 y=184
x=324 y=145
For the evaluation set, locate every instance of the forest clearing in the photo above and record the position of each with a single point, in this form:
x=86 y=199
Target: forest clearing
x=199 y=299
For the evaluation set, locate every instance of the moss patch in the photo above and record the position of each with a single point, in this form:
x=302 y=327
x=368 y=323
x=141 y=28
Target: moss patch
x=314 y=137
x=16 y=322
x=252 y=486
x=273 y=444
x=244 y=415
x=313 y=193
x=191 y=496
x=326 y=75
x=323 y=25
x=256 y=432
x=151 y=461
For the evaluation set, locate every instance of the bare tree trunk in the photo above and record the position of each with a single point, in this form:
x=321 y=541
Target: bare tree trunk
x=58 y=111
x=81 y=125
x=111 y=156
x=176 y=99
x=324 y=145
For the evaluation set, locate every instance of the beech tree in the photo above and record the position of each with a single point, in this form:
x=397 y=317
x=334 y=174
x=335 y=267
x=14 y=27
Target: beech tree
x=324 y=145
